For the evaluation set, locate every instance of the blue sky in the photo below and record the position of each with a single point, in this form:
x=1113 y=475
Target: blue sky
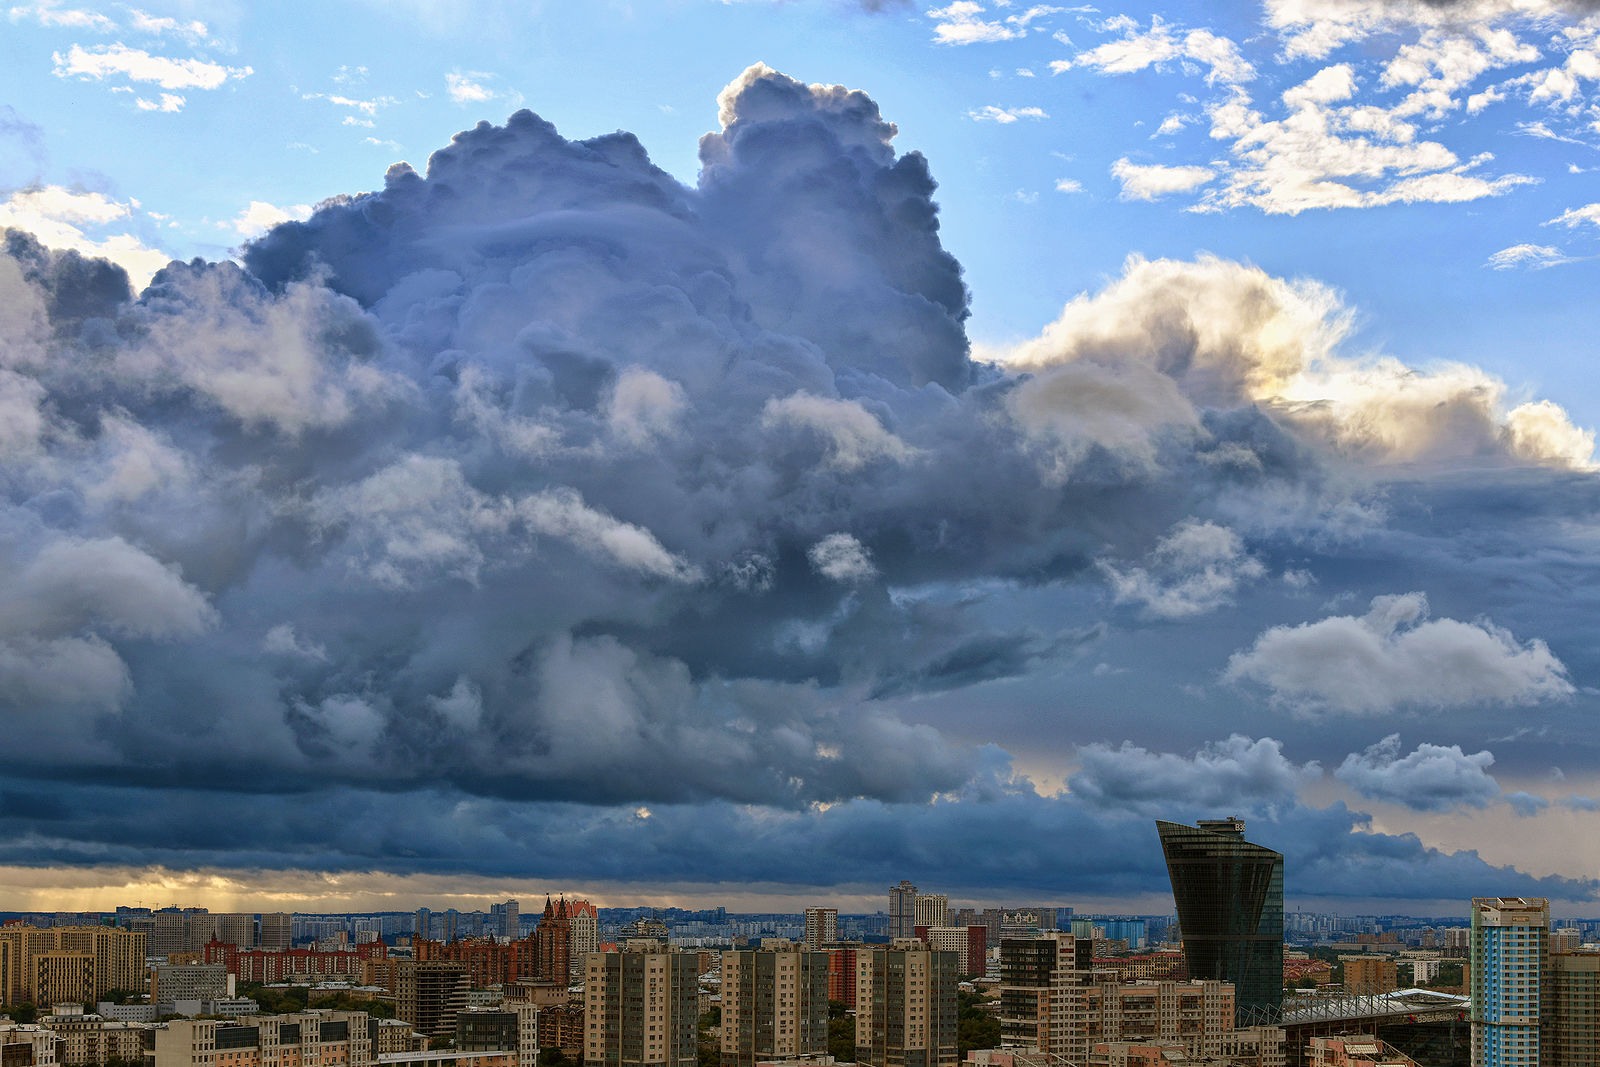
x=1160 y=416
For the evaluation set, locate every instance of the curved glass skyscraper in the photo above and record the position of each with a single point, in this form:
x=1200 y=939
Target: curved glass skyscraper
x=1230 y=911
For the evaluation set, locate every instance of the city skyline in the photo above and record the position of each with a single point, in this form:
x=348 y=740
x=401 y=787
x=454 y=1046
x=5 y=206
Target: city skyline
x=757 y=451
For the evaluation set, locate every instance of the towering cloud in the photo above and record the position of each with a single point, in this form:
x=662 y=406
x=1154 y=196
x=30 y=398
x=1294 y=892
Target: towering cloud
x=536 y=486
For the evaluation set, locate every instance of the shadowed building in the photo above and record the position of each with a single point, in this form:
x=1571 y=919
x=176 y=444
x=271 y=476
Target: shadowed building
x=1229 y=894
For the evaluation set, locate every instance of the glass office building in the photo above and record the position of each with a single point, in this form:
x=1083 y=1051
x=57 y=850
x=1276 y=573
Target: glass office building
x=1230 y=910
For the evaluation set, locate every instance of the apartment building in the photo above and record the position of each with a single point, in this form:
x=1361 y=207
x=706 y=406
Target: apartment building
x=641 y=1007
x=305 y=1039
x=906 y=1005
x=774 y=1004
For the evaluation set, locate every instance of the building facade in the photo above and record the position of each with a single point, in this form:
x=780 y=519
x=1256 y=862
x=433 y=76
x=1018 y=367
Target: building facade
x=1507 y=957
x=906 y=1005
x=94 y=958
x=1571 y=1014
x=430 y=993
x=932 y=909
x=1229 y=895
x=323 y=1038
x=902 y=910
x=774 y=1004
x=822 y=927
x=641 y=1007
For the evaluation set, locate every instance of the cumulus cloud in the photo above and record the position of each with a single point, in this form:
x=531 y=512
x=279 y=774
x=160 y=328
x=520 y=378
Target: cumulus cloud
x=1225 y=774
x=261 y=216
x=1194 y=569
x=537 y=486
x=1395 y=657
x=840 y=557
x=1169 y=336
x=853 y=436
x=1429 y=778
x=71 y=218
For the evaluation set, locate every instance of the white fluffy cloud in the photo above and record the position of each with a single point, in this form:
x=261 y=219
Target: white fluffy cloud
x=1152 y=181
x=840 y=557
x=1395 y=657
x=82 y=221
x=1429 y=778
x=1224 y=774
x=1123 y=366
x=137 y=65
x=1197 y=567
x=261 y=216
x=1159 y=46
x=1528 y=255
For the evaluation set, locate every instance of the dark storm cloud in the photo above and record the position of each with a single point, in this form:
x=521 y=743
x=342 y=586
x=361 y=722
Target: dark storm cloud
x=984 y=840
x=536 y=487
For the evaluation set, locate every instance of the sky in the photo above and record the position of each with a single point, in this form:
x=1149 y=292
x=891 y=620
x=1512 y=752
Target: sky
x=752 y=452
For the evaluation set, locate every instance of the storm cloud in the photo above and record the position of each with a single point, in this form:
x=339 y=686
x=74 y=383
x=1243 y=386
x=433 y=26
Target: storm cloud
x=487 y=507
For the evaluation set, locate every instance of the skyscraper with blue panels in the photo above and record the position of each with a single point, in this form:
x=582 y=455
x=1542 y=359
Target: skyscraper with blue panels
x=1508 y=954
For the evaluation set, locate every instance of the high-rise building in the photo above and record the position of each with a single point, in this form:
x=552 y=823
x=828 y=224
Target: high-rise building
x=430 y=993
x=906 y=1005
x=1229 y=894
x=774 y=1004
x=583 y=934
x=933 y=909
x=1030 y=969
x=822 y=927
x=1571 y=1011
x=641 y=1007
x=277 y=931
x=116 y=961
x=842 y=972
x=967 y=942
x=505 y=918
x=903 y=910
x=1507 y=956
x=235 y=928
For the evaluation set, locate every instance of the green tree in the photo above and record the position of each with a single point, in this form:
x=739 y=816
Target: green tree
x=975 y=1028
x=841 y=1035
x=23 y=1013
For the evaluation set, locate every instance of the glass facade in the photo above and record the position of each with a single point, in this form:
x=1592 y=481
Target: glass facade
x=1229 y=894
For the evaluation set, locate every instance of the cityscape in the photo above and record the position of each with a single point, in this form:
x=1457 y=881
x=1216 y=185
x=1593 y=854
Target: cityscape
x=1228 y=978
x=799 y=533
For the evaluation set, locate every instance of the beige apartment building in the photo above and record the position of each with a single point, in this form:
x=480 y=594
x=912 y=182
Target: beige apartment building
x=774 y=1004
x=932 y=909
x=641 y=1007
x=90 y=1041
x=306 y=1039
x=1370 y=974
x=82 y=963
x=906 y=1005
x=1572 y=1016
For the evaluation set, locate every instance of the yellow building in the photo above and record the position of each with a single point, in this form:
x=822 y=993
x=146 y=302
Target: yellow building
x=116 y=958
x=1370 y=974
